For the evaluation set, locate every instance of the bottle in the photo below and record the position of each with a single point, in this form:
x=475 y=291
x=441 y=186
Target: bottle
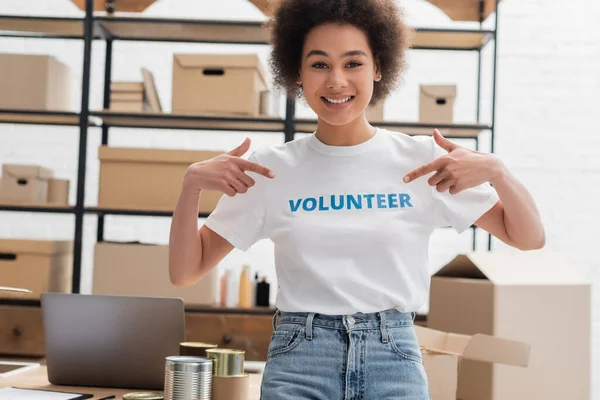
x=231 y=297
x=263 y=293
x=254 y=283
x=245 y=299
x=223 y=289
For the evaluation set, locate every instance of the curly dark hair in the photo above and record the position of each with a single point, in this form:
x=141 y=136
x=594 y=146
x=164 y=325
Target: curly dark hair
x=381 y=20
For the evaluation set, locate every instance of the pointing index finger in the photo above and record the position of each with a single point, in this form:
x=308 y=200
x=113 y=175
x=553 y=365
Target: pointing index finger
x=255 y=167
x=424 y=170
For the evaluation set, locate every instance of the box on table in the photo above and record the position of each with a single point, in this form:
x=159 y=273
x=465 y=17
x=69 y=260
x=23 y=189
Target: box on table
x=133 y=269
x=445 y=352
x=148 y=179
x=39 y=265
x=24 y=183
x=34 y=82
x=436 y=103
x=218 y=83
x=532 y=296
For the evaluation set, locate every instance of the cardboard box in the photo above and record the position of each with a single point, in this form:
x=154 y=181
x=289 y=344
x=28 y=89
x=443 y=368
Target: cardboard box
x=148 y=179
x=444 y=352
x=120 y=5
x=34 y=82
x=24 y=183
x=436 y=103
x=39 y=265
x=217 y=83
x=58 y=192
x=129 y=269
x=536 y=297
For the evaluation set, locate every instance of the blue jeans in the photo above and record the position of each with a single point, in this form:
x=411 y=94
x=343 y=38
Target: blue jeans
x=347 y=357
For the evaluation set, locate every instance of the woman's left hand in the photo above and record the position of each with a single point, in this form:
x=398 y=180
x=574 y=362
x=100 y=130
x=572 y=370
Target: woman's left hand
x=458 y=170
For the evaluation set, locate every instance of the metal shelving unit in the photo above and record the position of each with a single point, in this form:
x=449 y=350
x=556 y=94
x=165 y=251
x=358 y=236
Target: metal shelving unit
x=110 y=28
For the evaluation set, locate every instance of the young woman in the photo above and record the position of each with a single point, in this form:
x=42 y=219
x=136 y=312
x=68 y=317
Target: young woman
x=349 y=209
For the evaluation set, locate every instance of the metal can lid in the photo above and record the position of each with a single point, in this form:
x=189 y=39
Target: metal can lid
x=143 y=396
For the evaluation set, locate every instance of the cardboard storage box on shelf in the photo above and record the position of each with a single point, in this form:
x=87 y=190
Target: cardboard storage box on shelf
x=58 y=192
x=38 y=265
x=444 y=352
x=148 y=179
x=143 y=270
x=120 y=5
x=218 y=83
x=24 y=183
x=532 y=296
x=34 y=82
x=436 y=103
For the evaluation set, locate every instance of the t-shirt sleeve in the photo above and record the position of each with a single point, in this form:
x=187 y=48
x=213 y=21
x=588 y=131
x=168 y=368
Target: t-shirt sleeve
x=240 y=219
x=461 y=210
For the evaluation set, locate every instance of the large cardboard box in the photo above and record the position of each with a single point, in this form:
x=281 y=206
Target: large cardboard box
x=444 y=352
x=39 y=265
x=218 y=83
x=24 y=183
x=35 y=82
x=148 y=179
x=436 y=103
x=133 y=269
x=532 y=296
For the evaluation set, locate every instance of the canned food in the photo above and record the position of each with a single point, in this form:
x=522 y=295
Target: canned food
x=227 y=362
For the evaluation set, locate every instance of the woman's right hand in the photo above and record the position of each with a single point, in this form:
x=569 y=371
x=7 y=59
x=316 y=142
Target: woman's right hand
x=225 y=173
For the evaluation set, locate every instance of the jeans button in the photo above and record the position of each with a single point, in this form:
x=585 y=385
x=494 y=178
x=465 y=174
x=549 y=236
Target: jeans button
x=350 y=319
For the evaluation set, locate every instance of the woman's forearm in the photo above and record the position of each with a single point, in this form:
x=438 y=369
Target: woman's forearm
x=521 y=216
x=185 y=245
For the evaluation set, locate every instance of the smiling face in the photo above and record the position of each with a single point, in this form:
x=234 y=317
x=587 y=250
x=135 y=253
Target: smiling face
x=337 y=72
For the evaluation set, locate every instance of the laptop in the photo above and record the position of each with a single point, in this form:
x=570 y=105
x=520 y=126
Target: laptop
x=110 y=341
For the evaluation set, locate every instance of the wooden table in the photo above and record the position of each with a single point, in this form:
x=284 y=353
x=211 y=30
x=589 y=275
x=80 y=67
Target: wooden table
x=38 y=379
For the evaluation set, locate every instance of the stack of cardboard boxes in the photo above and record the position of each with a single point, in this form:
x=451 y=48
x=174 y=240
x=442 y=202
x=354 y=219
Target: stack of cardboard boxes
x=127 y=97
x=32 y=185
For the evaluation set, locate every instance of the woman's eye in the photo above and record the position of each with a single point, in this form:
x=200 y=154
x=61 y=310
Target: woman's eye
x=354 y=64
x=319 y=65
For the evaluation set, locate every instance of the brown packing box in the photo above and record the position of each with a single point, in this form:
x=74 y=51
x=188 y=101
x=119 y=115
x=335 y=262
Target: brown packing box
x=205 y=83
x=120 y=5
x=58 y=192
x=536 y=297
x=436 y=103
x=34 y=82
x=148 y=179
x=39 y=265
x=130 y=269
x=445 y=352
x=24 y=183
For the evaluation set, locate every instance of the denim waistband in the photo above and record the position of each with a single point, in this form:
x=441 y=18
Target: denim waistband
x=358 y=321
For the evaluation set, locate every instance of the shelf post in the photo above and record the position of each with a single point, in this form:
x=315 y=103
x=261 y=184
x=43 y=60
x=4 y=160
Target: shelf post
x=289 y=125
x=81 y=165
x=494 y=84
x=105 y=106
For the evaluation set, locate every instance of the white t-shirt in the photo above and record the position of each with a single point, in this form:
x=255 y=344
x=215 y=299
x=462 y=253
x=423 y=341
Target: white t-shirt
x=349 y=235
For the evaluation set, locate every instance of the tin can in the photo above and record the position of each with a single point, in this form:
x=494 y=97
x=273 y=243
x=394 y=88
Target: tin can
x=229 y=381
x=188 y=378
x=227 y=362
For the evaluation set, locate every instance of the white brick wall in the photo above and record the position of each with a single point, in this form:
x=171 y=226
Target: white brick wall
x=549 y=61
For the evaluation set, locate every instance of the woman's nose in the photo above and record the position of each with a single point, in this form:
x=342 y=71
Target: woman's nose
x=336 y=80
